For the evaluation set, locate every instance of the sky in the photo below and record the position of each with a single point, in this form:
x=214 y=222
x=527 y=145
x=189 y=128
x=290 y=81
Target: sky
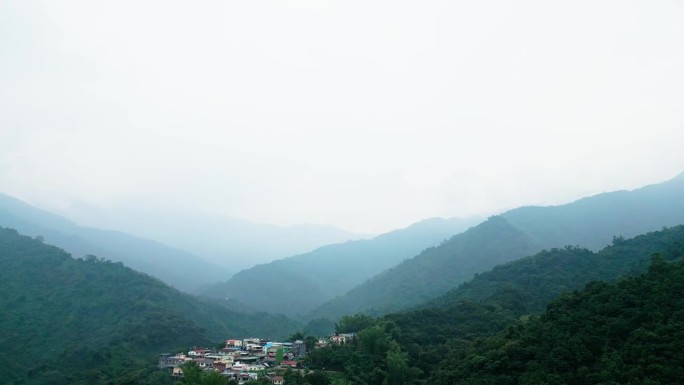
x=367 y=115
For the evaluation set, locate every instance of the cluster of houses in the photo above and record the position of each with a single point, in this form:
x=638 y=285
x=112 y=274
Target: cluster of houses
x=245 y=360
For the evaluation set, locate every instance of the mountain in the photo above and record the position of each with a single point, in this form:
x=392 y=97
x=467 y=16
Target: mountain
x=624 y=333
x=592 y=221
x=175 y=267
x=456 y=338
x=496 y=298
x=434 y=271
x=294 y=285
x=528 y=284
x=232 y=243
x=91 y=321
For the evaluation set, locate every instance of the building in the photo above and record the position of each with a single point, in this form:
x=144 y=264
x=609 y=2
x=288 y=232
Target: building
x=298 y=349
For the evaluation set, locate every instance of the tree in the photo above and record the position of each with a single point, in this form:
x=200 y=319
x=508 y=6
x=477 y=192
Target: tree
x=317 y=378
x=213 y=378
x=398 y=371
x=192 y=374
x=310 y=342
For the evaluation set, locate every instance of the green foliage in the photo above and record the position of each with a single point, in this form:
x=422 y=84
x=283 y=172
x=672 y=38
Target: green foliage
x=373 y=358
x=434 y=271
x=497 y=299
x=320 y=327
x=176 y=267
x=296 y=336
x=529 y=284
x=193 y=375
x=627 y=333
x=591 y=222
x=353 y=323
x=260 y=381
x=310 y=342
x=74 y=321
x=494 y=299
x=316 y=377
x=308 y=280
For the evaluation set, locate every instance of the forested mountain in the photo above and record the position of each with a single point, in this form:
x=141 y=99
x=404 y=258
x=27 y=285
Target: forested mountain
x=434 y=271
x=175 y=267
x=502 y=295
x=295 y=285
x=531 y=282
x=628 y=333
x=90 y=321
x=592 y=221
x=510 y=295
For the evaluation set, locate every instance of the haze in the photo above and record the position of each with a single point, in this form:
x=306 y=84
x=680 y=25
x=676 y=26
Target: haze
x=364 y=115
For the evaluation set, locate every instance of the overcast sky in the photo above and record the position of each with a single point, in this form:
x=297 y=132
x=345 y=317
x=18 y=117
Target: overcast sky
x=368 y=115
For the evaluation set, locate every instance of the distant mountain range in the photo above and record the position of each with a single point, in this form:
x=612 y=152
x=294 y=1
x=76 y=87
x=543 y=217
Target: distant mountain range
x=88 y=320
x=591 y=222
x=176 y=267
x=434 y=271
x=295 y=285
x=231 y=243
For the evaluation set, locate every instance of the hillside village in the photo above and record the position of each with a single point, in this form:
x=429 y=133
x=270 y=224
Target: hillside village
x=247 y=359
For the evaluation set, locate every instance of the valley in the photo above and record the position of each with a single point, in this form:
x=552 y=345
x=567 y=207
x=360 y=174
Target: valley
x=114 y=319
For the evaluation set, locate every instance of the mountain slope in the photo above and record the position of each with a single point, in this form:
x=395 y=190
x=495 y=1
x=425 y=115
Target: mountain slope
x=176 y=267
x=231 y=243
x=592 y=221
x=528 y=284
x=627 y=333
x=57 y=313
x=500 y=296
x=434 y=271
x=497 y=299
x=296 y=284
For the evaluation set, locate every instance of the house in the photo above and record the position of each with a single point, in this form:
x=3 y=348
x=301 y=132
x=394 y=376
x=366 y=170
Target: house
x=278 y=380
x=220 y=366
x=205 y=363
x=166 y=360
x=338 y=340
x=342 y=338
x=298 y=349
x=228 y=351
x=198 y=352
x=254 y=341
x=248 y=376
x=233 y=343
x=177 y=373
x=292 y=364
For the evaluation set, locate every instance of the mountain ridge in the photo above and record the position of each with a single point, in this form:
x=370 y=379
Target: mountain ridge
x=295 y=284
x=88 y=320
x=176 y=267
x=591 y=222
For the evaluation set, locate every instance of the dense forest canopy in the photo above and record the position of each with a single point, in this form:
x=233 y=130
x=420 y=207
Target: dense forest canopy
x=73 y=321
x=437 y=337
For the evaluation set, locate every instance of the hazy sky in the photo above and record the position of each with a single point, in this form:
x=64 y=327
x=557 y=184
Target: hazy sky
x=368 y=115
